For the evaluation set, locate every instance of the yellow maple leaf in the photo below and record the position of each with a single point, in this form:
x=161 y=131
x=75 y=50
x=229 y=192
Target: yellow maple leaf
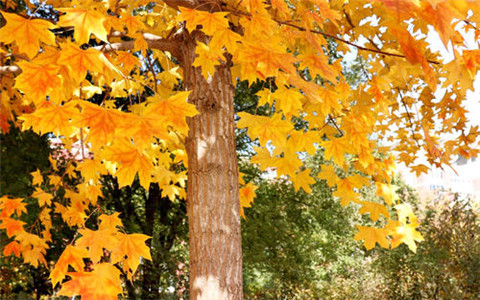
x=34 y=256
x=266 y=129
x=289 y=101
x=207 y=59
x=266 y=60
x=37 y=177
x=336 y=149
x=303 y=180
x=170 y=190
x=133 y=23
x=345 y=191
x=43 y=197
x=388 y=192
x=405 y=213
x=72 y=215
x=328 y=173
x=175 y=109
x=287 y=164
x=374 y=209
x=304 y=141
x=327 y=98
x=419 y=169
x=226 y=38
x=110 y=222
x=144 y=128
x=90 y=192
x=91 y=169
x=127 y=61
x=371 y=236
x=318 y=65
x=33 y=248
x=85 y=21
x=27 y=33
x=404 y=233
x=263 y=158
x=210 y=22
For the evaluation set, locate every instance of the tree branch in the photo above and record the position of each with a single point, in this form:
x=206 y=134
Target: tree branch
x=153 y=41
x=347 y=42
x=287 y=23
x=409 y=118
x=10 y=70
x=205 y=5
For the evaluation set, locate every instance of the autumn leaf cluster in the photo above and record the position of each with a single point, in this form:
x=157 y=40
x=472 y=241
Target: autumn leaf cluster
x=105 y=78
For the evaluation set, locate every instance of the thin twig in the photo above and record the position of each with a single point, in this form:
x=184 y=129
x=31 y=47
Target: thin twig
x=336 y=125
x=347 y=42
x=150 y=68
x=288 y=23
x=409 y=118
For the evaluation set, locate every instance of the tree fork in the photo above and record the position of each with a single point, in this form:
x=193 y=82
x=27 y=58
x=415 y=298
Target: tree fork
x=213 y=205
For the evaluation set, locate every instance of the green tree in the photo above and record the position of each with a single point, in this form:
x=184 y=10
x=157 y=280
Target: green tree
x=447 y=264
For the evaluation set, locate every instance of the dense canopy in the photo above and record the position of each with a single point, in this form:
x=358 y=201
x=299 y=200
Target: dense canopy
x=145 y=88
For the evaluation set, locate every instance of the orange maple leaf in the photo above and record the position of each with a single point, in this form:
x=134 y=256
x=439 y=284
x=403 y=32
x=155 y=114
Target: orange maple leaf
x=27 y=33
x=247 y=194
x=12 y=247
x=96 y=241
x=71 y=256
x=102 y=123
x=101 y=284
x=12 y=226
x=37 y=80
x=51 y=118
x=79 y=61
x=132 y=161
x=8 y=206
x=133 y=246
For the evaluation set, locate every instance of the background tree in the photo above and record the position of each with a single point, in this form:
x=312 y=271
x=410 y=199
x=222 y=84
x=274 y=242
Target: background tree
x=26 y=152
x=446 y=265
x=182 y=109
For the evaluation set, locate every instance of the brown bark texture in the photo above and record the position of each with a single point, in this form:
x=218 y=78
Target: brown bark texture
x=212 y=189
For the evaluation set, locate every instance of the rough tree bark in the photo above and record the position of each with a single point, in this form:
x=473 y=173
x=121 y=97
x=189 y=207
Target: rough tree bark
x=212 y=189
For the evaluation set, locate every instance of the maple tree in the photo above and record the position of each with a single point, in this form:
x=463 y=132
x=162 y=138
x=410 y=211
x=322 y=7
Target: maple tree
x=145 y=89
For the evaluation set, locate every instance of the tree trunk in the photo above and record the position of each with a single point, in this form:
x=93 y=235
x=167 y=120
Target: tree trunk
x=150 y=280
x=212 y=189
